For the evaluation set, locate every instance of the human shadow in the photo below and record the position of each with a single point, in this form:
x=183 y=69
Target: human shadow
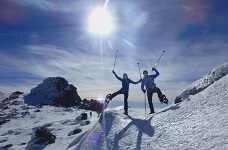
x=144 y=126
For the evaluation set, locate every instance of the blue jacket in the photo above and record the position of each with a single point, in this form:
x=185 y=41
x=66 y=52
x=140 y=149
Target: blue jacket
x=125 y=82
x=148 y=81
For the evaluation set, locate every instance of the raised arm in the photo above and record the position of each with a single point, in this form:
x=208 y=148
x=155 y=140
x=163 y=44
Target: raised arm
x=116 y=75
x=156 y=73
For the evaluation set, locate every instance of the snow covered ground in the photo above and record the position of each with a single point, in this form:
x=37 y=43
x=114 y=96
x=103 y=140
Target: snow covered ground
x=198 y=122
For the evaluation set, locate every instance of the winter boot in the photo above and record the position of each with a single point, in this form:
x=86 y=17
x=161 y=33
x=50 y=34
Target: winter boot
x=126 y=113
x=161 y=98
x=151 y=112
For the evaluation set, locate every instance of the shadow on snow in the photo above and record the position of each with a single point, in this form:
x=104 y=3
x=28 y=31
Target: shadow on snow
x=144 y=126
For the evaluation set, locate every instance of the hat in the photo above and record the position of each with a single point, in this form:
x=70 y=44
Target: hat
x=145 y=72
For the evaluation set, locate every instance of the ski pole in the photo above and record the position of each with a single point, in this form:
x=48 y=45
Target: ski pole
x=144 y=93
x=159 y=58
x=115 y=61
x=139 y=72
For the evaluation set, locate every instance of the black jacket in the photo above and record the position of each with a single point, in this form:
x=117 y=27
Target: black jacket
x=126 y=82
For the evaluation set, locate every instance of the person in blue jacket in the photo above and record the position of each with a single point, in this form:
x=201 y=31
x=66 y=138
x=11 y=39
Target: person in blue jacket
x=124 y=90
x=151 y=88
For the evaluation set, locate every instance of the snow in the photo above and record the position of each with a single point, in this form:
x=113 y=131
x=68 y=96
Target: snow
x=198 y=122
x=197 y=86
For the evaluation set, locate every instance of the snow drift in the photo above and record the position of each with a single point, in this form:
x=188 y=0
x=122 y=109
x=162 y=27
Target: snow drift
x=201 y=84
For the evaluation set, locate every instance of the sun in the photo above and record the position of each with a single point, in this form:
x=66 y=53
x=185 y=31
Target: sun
x=100 y=21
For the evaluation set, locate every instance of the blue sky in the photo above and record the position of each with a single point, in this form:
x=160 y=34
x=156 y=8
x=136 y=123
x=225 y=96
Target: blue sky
x=49 y=38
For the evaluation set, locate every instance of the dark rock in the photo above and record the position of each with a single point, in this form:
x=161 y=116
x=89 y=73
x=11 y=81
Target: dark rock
x=41 y=132
x=54 y=91
x=3 y=139
x=8 y=146
x=177 y=100
x=76 y=131
x=4 y=121
x=37 y=110
x=15 y=95
x=51 y=139
x=44 y=136
x=2 y=114
x=87 y=122
x=84 y=116
x=6 y=107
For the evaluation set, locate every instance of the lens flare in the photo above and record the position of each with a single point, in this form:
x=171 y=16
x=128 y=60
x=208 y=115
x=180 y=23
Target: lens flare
x=94 y=139
x=100 y=21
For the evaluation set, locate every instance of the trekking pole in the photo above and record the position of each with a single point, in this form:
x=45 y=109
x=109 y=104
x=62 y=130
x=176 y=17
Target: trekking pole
x=115 y=61
x=139 y=72
x=159 y=59
x=144 y=93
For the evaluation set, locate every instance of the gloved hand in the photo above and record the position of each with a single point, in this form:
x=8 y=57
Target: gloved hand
x=140 y=80
x=153 y=68
x=113 y=71
x=144 y=91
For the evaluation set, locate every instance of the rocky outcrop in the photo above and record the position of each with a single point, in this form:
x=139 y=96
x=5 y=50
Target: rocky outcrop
x=201 y=84
x=15 y=95
x=54 y=91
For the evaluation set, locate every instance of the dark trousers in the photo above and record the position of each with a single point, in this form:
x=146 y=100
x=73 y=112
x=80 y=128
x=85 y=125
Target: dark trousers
x=125 y=93
x=150 y=94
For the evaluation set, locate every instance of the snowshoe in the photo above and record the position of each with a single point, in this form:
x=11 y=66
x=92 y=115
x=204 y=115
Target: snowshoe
x=165 y=100
x=108 y=98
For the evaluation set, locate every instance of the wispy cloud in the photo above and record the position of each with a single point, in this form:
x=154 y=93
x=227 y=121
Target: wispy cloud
x=144 y=30
x=41 y=4
x=49 y=61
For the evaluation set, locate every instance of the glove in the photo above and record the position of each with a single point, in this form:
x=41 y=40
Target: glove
x=153 y=68
x=144 y=91
x=140 y=80
x=113 y=71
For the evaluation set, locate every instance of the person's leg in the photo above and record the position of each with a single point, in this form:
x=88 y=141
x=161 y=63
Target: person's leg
x=159 y=93
x=116 y=93
x=149 y=96
x=161 y=96
x=126 y=102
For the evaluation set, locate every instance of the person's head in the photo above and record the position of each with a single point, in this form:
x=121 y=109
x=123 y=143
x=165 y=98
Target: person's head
x=145 y=73
x=125 y=76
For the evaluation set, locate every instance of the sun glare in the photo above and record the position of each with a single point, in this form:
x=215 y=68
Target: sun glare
x=100 y=21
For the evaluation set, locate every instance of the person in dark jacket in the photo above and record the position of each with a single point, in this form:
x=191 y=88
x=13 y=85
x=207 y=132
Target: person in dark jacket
x=151 y=88
x=124 y=90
